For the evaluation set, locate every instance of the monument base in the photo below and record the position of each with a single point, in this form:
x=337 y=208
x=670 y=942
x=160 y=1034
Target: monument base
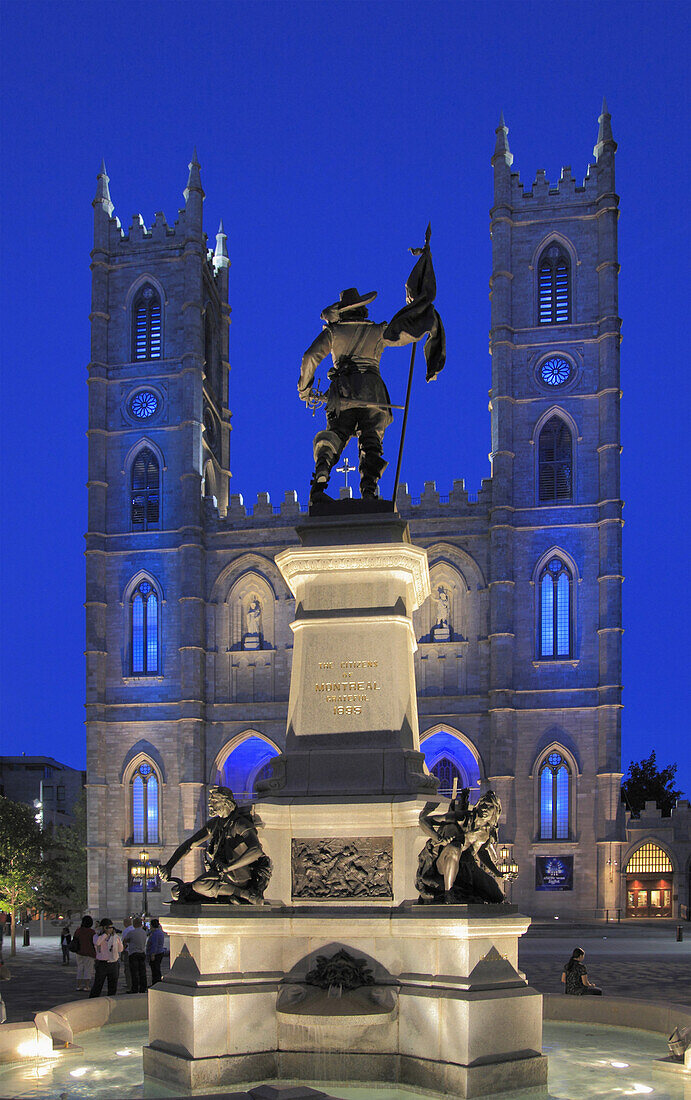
x=428 y=996
x=347 y=1069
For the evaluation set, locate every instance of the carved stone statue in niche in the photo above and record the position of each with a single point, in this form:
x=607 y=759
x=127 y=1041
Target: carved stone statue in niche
x=441 y=630
x=236 y=869
x=252 y=638
x=458 y=864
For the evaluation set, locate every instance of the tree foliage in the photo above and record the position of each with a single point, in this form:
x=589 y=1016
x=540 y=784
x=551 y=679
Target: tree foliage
x=644 y=782
x=64 y=883
x=21 y=863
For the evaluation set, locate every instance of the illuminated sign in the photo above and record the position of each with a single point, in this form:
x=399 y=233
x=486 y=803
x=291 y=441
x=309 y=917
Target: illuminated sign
x=135 y=875
x=554 y=872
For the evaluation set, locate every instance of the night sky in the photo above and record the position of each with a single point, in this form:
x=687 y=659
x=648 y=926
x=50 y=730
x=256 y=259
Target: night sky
x=329 y=134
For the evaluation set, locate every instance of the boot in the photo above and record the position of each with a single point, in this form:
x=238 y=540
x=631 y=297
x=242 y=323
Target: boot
x=320 y=479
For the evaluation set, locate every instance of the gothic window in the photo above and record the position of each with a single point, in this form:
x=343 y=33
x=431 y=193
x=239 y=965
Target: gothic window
x=144 y=794
x=555 y=610
x=554 y=291
x=446 y=771
x=555 y=461
x=145 y=497
x=554 y=798
x=146 y=324
x=144 y=630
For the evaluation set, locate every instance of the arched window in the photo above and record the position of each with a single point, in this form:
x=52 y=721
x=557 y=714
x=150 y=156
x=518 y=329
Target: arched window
x=554 y=291
x=145 y=509
x=555 y=633
x=649 y=859
x=144 y=793
x=446 y=771
x=554 y=798
x=146 y=324
x=555 y=459
x=144 y=636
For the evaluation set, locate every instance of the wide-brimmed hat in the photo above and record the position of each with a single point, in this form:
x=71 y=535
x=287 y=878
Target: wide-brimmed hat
x=348 y=299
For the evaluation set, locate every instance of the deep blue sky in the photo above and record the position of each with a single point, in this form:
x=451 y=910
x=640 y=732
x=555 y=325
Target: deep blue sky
x=329 y=133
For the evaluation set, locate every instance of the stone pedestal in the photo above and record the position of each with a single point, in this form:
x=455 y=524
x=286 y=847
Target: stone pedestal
x=447 y=1010
x=352 y=714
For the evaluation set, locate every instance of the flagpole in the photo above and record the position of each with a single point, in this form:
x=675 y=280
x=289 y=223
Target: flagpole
x=405 y=421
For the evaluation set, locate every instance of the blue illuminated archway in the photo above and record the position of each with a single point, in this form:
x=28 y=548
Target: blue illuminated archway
x=447 y=756
x=248 y=759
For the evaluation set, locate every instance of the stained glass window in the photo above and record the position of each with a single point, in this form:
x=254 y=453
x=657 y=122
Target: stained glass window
x=145 y=636
x=555 y=371
x=144 y=404
x=554 y=297
x=555 y=477
x=554 y=798
x=145 y=805
x=146 y=324
x=555 y=633
x=145 y=497
x=446 y=771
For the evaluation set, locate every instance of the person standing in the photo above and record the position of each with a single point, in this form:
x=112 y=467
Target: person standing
x=86 y=953
x=127 y=923
x=154 y=949
x=108 y=951
x=65 y=938
x=134 y=939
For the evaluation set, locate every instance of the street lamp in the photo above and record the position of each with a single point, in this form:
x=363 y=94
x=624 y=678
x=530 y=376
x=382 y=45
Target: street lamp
x=507 y=865
x=144 y=857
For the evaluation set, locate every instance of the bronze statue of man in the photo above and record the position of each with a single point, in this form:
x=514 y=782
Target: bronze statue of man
x=237 y=871
x=358 y=401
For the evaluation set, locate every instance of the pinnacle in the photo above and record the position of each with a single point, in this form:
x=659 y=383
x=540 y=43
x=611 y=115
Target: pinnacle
x=102 y=197
x=501 y=148
x=220 y=228
x=604 y=133
x=194 y=180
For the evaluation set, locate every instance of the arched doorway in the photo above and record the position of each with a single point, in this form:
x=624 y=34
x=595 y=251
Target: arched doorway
x=449 y=758
x=649 y=883
x=244 y=762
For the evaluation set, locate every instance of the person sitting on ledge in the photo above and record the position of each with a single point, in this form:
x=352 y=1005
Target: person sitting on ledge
x=575 y=976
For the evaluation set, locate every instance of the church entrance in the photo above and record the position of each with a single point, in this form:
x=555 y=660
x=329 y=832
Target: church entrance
x=649 y=883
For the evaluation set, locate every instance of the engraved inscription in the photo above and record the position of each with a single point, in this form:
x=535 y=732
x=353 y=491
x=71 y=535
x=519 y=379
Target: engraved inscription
x=342 y=867
x=353 y=685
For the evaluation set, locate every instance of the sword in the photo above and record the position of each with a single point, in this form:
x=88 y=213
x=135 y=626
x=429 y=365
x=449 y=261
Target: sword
x=316 y=399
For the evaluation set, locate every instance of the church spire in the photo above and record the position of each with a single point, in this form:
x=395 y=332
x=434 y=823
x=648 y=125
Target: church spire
x=194 y=180
x=604 y=133
x=221 y=258
x=102 y=198
x=501 y=148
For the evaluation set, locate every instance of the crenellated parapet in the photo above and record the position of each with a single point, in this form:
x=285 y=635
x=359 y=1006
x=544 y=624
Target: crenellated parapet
x=430 y=502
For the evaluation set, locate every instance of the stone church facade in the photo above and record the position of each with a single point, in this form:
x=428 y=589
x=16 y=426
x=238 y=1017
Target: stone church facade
x=519 y=648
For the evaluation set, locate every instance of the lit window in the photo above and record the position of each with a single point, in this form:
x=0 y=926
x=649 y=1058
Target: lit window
x=144 y=643
x=145 y=496
x=555 y=610
x=649 y=859
x=554 y=798
x=144 y=788
x=554 y=297
x=555 y=476
x=446 y=771
x=146 y=324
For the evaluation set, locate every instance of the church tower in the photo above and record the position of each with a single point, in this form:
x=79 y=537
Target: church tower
x=555 y=526
x=159 y=435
